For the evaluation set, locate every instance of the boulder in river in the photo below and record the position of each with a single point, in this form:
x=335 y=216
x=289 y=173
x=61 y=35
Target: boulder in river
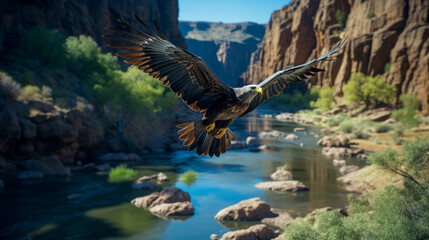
x=298 y=129
x=253 y=209
x=173 y=209
x=328 y=209
x=348 y=169
x=51 y=165
x=281 y=219
x=30 y=175
x=283 y=186
x=291 y=136
x=281 y=175
x=337 y=162
x=338 y=141
x=166 y=196
x=256 y=232
x=120 y=157
x=238 y=145
x=341 y=152
x=102 y=167
x=160 y=177
x=252 y=142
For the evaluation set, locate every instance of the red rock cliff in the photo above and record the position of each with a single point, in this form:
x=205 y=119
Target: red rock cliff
x=380 y=32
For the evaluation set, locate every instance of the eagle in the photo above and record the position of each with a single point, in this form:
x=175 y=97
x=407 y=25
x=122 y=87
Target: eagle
x=189 y=77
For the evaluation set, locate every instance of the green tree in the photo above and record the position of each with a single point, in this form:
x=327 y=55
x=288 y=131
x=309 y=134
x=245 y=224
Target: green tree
x=40 y=46
x=132 y=93
x=326 y=97
x=85 y=57
x=373 y=91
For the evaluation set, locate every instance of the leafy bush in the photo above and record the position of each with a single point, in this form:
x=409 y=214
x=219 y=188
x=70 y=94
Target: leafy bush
x=31 y=92
x=415 y=160
x=370 y=15
x=8 y=87
x=122 y=173
x=347 y=126
x=382 y=128
x=359 y=133
x=293 y=101
x=341 y=18
x=326 y=98
x=335 y=120
x=373 y=91
x=189 y=177
x=41 y=46
x=407 y=114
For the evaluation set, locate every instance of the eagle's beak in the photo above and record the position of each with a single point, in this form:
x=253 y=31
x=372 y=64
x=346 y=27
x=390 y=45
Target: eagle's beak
x=258 y=90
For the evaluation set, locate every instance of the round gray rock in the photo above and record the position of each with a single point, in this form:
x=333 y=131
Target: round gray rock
x=253 y=209
x=283 y=186
x=281 y=175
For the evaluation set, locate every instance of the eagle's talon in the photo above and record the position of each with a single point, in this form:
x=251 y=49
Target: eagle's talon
x=210 y=127
x=220 y=133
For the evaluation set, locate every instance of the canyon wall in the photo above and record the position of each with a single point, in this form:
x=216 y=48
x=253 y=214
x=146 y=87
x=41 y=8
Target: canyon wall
x=387 y=37
x=85 y=17
x=225 y=48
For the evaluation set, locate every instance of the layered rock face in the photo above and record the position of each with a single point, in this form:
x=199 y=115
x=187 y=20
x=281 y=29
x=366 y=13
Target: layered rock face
x=225 y=48
x=83 y=17
x=381 y=33
x=69 y=134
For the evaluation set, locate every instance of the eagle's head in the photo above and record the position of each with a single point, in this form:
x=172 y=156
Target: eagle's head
x=248 y=92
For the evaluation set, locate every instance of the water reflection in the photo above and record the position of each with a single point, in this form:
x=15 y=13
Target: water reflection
x=255 y=124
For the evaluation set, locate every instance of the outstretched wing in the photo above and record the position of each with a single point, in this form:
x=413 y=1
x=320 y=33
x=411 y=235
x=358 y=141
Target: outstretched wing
x=276 y=83
x=185 y=73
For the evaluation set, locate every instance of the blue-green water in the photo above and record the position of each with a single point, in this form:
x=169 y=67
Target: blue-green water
x=42 y=211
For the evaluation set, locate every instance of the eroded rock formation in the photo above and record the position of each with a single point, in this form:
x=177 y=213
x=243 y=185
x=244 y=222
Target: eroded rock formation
x=382 y=33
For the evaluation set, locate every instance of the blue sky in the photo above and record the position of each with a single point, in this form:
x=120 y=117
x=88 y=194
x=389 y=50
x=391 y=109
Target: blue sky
x=229 y=11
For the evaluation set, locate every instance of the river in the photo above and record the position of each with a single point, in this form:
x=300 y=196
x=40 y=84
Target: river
x=41 y=210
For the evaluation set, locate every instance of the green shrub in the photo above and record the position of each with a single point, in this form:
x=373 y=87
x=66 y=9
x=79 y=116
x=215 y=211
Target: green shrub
x=407 y=114
x=360 y=133
x=335 y=120
x=347 y=126
x=412 y=164
x=387 y=66
x=382 y=128
x=31 y=92
x=189 y=177
x=122 y=173
x=341 y=18
x=8 y=87
x=326 y=98
x=293 y=101
x=373 y=91
x=370 y=15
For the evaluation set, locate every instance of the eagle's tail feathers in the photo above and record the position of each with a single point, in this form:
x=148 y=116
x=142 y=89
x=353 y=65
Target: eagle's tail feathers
x=195 y=136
